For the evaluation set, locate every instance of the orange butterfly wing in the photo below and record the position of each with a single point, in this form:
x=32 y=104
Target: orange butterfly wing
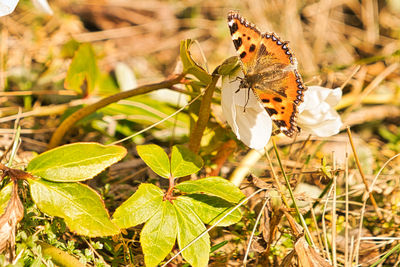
x=270 y=71
x=246 y=39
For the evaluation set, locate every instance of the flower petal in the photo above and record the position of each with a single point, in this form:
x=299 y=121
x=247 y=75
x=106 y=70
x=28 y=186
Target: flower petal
x=7 y=7
x=243 y=112
x=317 y=114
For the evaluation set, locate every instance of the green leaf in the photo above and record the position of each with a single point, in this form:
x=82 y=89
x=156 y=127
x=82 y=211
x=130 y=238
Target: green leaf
x=5 y=195
x=190 y=66
x=216 y=186
x=159 y=234
x=189 y=227
x=156 y=158
x=140 y=207
x=210 y=209
x=325 y=168
x=58 y=256
x=75 y=162
x=80 y=206
x=69 y=48
x=82 y=71
x=229 y=66
x=184 y=161
x=219 y=245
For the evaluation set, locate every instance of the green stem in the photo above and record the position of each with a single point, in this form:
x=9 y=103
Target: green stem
x=204 y=115
x=316 y=203
x=303 y=222
x=390 y=252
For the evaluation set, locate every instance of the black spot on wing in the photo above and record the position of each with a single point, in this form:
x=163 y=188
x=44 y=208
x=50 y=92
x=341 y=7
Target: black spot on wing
x=271 y=111
x=243 y=54
x=280 y=123
x=237 y=43
x=277 y=99
x=234 y=28
x=252 y=48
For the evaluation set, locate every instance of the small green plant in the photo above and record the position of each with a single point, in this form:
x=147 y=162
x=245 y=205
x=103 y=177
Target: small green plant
x=55 y=177
x=168 y=216
x=54 y=180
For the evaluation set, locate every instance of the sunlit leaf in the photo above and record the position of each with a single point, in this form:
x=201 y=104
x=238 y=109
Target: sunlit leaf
x=229 y=66
x=189 y=227
x=80 y=206
x=146 y=201
x=184 y=161
x=75 y=162
x=190 y=66
x=159 y=234
x=156 y=158
x=216 y=186
x=210 y=209
x=69 y=48
x=83 y=71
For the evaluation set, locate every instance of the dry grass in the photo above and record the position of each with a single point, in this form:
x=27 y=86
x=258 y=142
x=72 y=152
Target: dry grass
x=347 y=43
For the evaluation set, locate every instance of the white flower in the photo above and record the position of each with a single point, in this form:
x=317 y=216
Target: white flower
x=8 y=6
x=249 y=121
x=317 y=114
x=252 y=124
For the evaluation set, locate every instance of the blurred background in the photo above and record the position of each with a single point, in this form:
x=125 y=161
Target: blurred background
x=327 y=36
x=353 y=44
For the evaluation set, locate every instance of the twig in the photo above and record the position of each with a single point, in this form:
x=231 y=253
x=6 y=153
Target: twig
x=370 y=87
x=357 y=247
x=303 y=222
x=347 y=261
x=324 y=225
x=278 y=184
x=334 y=221
x=252 y=232
x=41 y=92
x=157 y=123
x=371 y=196
x=66 y=125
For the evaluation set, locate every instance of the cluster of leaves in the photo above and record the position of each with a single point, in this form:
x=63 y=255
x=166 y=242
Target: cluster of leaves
x=55 y=177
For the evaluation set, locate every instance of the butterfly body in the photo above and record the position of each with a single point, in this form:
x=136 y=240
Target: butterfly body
x=270 y=70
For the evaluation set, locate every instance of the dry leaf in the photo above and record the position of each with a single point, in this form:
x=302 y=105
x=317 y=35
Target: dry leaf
x=14 y=212
x=307 y=256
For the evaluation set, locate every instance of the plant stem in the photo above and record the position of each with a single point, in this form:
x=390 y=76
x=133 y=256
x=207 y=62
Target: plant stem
x=390 y=252
x=168 y=195
x=303 y=222
x=204 y=115
x=371 y=196
x=66 y=125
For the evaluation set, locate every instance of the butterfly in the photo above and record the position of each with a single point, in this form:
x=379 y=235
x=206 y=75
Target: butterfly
x=270 y=71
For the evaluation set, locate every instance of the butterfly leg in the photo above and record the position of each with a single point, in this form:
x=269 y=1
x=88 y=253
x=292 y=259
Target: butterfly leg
x=235 y=80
